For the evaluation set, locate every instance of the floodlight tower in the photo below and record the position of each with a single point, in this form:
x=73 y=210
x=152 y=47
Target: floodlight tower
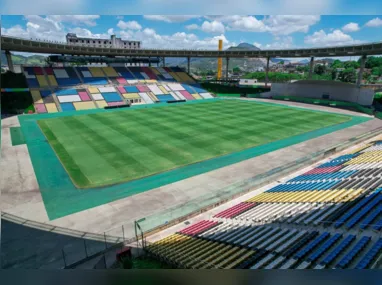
x=220 y=61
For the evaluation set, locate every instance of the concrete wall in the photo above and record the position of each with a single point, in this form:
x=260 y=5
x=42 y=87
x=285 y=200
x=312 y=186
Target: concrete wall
x=318 y=89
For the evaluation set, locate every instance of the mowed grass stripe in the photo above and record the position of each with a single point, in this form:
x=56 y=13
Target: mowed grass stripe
x=140 y=142
x=115 y=155
x=66 y=159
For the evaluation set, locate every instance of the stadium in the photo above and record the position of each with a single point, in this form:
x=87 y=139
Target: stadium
x=114 y=161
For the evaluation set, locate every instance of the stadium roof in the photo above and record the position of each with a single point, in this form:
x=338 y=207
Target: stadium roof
x=34 y=46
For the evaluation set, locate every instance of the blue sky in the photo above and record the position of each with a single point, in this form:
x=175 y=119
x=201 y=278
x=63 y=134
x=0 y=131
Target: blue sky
x=182 y=31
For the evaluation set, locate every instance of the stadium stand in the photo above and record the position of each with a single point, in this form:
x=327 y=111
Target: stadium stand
x=261 y=233
x=56 y=89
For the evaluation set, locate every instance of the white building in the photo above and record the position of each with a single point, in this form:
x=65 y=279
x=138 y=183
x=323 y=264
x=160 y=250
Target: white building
x=248 y=82
x=113 y=42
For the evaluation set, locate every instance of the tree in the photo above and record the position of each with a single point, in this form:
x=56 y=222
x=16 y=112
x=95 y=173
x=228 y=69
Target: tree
x=348 y=75
x=376 y=71
x=337 y=64
x=373 y=61
x=351 y=64
x=236 y=69
x=320 y=69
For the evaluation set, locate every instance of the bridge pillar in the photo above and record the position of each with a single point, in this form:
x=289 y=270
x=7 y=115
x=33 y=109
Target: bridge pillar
x=164 y=62
x=266 y=72
x=9 y=60
x=226 y=69
x=188 y=64
x=149 y=61
x=361 y=68
x=311 y=67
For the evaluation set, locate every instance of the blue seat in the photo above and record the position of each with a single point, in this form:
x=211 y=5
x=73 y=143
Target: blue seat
x=309 y=247
x=364 y=211
x=378 y=225
x=370 y=255
x=354 y=209
x=299 y=244
x=337 y=250
x=67 y=107
x=344 y=262
x=321 y=250
x=165 y=98
x=370 y=218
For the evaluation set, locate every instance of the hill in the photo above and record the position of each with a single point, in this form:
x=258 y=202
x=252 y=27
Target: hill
x=244 y=46
x=21 y=59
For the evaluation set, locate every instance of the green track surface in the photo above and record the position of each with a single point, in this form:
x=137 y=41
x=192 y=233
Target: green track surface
x=17 y=136
x=108 y=148
x=162 y=142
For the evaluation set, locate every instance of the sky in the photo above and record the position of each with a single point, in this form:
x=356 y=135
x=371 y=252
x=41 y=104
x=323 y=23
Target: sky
x=203 y=32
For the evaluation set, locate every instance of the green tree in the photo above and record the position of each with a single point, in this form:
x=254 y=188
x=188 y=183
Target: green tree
x=348 y=75
x=337 y=64
x=351 y=64
x=377 y=71
x=372 y=61
x=320 y=69
x=236 y=69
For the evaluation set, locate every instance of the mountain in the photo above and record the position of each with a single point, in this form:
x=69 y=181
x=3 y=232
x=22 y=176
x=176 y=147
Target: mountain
x=21 y=59
x=304 y=61
x=244 y=46
x=277 y=60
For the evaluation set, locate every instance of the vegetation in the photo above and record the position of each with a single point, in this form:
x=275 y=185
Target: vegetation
x=285 y=77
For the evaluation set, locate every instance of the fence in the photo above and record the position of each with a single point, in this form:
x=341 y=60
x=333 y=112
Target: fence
x=340 y=104
x=65 y=247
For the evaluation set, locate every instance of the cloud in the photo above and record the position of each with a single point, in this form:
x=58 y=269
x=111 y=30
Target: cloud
x=376 y=22
x=351 y=27
x=288 y=24
x=213 y=27
x=277 y=25
x=285 y=42
x=181 y=40
x=170 y=18
x=192 y=27
x=256 y=44
x=247 y=24
x=88 y=20
x=132 y=25
x=335 y=38
x=51 y=28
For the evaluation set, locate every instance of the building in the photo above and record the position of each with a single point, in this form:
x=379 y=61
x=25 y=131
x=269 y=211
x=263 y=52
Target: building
x=113 y=42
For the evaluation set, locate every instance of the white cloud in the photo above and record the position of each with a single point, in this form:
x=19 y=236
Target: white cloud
x=110 y=31
x=285 y=42
x=88 y=20
x=288 y=24
x=181 y=40
x=213 y=27
x=351 y=27
x=247 y=24
x=192 y=27
x=170 y=18
x=88 y=34
x=256 y=44
x=51 y=28
x=376 y=22
x=335 y=38
x=132 y=25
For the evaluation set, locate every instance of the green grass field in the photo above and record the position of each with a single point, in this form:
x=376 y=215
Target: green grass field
x=112 y=147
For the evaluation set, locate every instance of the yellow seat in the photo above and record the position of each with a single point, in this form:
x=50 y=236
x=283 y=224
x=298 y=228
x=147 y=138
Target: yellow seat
x=52 y=80
x=96 y=71
x=84 y=105
x=93 y=90
x=36 y=96
x=101 y=103
x=51 y=107
x=42 y=81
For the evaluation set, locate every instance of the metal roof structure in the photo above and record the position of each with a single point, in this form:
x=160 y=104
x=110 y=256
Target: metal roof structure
x=36 y=46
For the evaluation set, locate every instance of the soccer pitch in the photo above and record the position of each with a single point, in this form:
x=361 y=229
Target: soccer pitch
x=113 y=147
